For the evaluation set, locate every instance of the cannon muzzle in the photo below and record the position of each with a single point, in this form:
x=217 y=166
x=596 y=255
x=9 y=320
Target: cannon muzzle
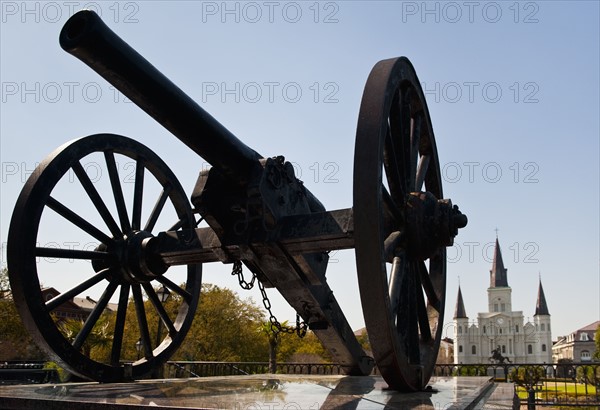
x=87 y=37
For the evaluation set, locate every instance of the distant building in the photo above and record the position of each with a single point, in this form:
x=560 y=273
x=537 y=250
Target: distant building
x=500 y=327
x=76 y=308
x=578 y=346
x=446 y=352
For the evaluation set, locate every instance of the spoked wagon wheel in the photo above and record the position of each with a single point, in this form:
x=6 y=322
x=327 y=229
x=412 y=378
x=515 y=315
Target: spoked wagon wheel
x=401 y=228
x=70 y=235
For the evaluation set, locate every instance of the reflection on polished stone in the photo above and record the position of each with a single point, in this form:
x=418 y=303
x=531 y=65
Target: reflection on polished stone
x=255 y=392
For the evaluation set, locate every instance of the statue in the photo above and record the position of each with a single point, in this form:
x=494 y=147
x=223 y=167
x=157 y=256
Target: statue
x=497 y=356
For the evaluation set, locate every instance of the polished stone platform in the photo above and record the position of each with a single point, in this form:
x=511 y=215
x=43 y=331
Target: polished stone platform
x=256 y=392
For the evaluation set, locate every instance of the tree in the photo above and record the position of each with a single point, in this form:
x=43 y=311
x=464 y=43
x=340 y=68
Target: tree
x=527 y=376
x=15 y=341
x=5 y=292
x=309 y=349
x=224 y=329
x=97 y=345
x=267 y=328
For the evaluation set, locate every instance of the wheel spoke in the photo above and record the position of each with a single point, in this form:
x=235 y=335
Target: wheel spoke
x=159 y=308
x=415 y=140
x=138 y=191
x=407 y=318
x=115 y=353
x=158 y=207
x=414 y=353
x=115 y=183
x=393 y=165
x=405 y=133
x=71 y=293
x=140 y=312
x=77 y=220
x=421 y=308
x=96 y=199
x=393 y=215
x=432 y=297
x=171 y=285
x=398 y=267
x=72 y=254
x=390 y=245
x=400 y=134
x=177 y=225
x=422 y=171
x=95 y=315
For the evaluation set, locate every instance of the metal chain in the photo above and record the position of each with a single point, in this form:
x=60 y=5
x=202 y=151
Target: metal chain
x=276 y=327
x=237 y=270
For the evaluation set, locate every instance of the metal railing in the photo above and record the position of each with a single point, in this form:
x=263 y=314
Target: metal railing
x=553 y=384
x=206 y=369
x=20 y=372
x=565 y=384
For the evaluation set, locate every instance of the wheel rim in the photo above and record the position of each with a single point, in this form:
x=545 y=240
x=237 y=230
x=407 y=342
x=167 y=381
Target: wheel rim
x=114 y=267
x=402 y=295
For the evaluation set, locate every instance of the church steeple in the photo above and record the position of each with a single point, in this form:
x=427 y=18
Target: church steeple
x=459 y=311
x=498 y=277
x=541 y=308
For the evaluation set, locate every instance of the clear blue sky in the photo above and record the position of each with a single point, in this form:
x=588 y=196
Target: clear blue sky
x=512 y=87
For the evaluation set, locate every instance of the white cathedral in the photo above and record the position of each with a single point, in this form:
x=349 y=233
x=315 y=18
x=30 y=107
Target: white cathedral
x=500 y=327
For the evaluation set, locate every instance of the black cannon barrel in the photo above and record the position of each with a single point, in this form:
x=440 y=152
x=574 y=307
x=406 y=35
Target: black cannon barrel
x=87 y=37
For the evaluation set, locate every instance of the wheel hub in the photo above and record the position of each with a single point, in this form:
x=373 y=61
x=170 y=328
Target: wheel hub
x=431 y=223
x=135 y=262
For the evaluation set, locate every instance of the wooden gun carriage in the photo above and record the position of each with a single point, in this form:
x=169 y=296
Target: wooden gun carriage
x=257 y=212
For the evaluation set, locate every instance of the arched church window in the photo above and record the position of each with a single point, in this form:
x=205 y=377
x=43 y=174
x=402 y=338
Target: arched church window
x=543 y=348
x=473 y=349
x=503 y=348
x=460 y=349
x=484 y=329
x=460 y=329
x=543 y=327
x=529 y=349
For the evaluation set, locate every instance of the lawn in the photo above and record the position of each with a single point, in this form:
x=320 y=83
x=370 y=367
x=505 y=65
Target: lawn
x=562 y=391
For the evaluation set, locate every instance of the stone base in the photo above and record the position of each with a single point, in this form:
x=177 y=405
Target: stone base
x=254 y=392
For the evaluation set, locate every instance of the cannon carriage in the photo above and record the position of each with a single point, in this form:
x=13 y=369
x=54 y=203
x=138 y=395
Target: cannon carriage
x=255 y=212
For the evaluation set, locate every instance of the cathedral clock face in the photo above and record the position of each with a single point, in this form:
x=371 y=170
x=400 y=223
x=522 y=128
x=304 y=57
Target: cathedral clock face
x=500 y=321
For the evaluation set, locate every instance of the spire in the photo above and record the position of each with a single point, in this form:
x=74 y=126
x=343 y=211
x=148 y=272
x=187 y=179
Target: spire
x=498 y=276
x=459 y=311
x=541 y=308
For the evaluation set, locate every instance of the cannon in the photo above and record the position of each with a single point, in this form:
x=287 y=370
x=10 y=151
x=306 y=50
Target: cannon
x=245 y=209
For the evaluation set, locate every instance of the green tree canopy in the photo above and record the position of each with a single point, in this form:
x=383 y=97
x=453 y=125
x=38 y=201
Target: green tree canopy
x=224 y=329
x=15 y=341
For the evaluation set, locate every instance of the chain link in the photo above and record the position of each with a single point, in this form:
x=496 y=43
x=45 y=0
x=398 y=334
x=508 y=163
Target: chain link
x=276 y=327
x=237 y=270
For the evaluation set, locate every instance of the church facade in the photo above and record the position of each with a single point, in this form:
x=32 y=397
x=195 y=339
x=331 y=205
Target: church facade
x=502 y=329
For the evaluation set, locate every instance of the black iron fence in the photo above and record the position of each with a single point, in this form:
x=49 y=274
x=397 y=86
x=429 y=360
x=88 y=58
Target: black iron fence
x=205 y=369
x=18 y=372
x=558 y=385
x=565 y=384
